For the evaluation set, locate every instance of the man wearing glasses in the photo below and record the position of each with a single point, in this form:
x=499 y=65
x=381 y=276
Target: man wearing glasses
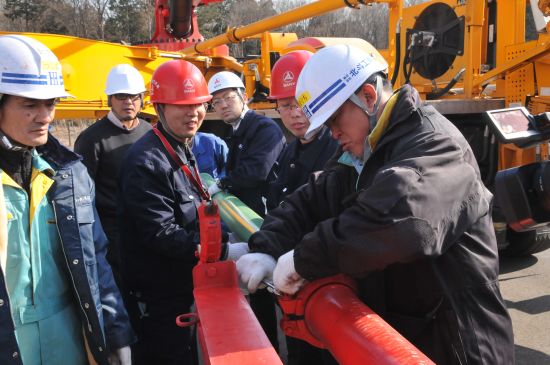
x=254 y=146
x=303 y=155
x=104 y=144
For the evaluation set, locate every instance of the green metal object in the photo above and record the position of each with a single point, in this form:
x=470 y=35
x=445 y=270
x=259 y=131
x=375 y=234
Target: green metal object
x=240 y=219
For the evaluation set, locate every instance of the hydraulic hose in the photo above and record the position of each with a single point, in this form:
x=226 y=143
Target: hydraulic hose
x=397 y=53
x=439 y=93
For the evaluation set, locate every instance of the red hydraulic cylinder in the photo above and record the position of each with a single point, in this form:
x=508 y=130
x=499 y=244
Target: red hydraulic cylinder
x=328 y=314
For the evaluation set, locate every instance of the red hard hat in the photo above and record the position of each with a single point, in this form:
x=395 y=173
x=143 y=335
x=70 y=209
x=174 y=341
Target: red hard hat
x=178 y=82
x=285 y=72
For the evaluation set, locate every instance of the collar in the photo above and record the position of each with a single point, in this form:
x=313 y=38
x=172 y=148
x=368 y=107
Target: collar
x=349 y=160
x=40 y=164
x=117 y=123
x=53 y=151
x=181 y=148
x=56 y=154
x=235 y=125
x=383 y=122
x=8 y=144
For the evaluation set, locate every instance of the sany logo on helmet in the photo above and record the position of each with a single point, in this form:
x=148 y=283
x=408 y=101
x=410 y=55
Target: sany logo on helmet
x=188 y=86
x=154 y=86
x=288 y=79
x=178 y=82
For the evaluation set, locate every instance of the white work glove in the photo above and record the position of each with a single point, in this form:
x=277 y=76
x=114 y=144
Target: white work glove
x=285 y=277
x=236 y=250
x=121 y=356
x=255 y=267
x=214 y=189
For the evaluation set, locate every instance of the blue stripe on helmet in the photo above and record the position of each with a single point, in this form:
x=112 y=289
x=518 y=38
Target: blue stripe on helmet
x=23 y=76
x=27 y=82
x=324 y=93
x=328 y=97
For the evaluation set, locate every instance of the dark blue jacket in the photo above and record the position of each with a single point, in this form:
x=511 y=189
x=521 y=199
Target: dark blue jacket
x=253 y=151
x=210 y=151
x=297 y=162
x=157 y=215
x=104 y=318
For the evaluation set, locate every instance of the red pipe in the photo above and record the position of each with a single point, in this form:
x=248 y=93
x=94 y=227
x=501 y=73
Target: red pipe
x=229 y=333
x=334 y=318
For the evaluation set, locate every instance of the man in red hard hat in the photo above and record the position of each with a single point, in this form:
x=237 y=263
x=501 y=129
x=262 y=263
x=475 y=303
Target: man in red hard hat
x=299 y=159
x=303 y=155
x=158 y=217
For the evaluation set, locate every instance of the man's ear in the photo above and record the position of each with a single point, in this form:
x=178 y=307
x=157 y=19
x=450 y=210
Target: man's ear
x=245 y=97
x=368 y=93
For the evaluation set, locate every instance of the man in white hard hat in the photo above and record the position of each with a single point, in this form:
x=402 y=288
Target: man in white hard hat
x=104 y=144
x=59 y=303
x=402 y=209
x=254 y=145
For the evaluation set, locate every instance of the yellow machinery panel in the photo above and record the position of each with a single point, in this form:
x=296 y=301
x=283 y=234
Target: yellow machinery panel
x=86 y=64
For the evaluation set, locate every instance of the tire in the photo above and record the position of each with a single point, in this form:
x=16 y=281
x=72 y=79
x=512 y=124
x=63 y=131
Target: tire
x=526 y=243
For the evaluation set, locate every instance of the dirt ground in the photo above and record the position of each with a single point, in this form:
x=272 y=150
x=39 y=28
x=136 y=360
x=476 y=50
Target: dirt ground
x=68 y=129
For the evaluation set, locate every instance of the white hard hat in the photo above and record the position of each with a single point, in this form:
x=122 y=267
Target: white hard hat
x=330 y=77
x=224 y=80
x=29 y=69
x=124 y=79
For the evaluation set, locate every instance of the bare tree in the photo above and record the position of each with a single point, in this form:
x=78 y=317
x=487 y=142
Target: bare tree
x=100 y=9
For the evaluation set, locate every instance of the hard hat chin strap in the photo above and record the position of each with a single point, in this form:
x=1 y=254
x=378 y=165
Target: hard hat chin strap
x=373 y=116
x=162 y=120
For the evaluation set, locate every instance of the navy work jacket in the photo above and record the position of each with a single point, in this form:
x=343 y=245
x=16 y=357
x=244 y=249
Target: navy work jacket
x=158 y=220
x=253 y=151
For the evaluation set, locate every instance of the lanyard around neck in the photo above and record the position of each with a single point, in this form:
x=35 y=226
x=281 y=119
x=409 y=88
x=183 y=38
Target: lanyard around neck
x=195 y=179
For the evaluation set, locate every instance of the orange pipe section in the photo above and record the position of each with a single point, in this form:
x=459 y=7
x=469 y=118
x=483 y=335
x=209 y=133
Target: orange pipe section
x=335 y=318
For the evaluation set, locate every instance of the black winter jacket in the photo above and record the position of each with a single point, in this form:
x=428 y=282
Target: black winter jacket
x=417 y=234
x=297 y=162
x=253 y=150
x=157 y=214
x=103 y=146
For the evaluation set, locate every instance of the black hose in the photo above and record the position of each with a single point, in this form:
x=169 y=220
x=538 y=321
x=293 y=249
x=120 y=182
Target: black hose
x=397 y=53
x=407 y=62
x=493 y=163
x=439 y=93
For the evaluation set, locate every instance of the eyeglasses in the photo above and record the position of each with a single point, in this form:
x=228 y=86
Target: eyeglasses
x=229 y=99
x=123 y=97
x=287 y=108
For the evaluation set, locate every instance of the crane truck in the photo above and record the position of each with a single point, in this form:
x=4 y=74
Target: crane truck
x=464 y=57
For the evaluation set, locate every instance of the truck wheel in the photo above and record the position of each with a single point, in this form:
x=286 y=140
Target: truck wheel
x=526 y=243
